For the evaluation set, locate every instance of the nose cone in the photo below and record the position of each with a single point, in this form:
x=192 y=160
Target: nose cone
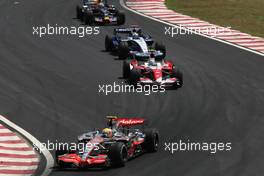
x=157 y=74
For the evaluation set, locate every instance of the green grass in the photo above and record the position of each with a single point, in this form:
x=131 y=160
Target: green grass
x=243 y=15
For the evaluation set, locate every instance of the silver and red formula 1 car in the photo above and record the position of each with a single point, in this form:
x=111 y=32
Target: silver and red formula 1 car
x=123 y=139
x=153 y=71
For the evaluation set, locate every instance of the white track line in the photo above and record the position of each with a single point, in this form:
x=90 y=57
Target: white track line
x=12 y=145
x=146 y=2
x=164 y=16
x=42 y=149
x=4 y=159
x=5 y=130
x=30 y=152
x=253 y=44
x=163 y=11
x=258 y=47
x=168 y=12
x=16 y=175
x=18 y=168
x=147 y=5
x=9 y=138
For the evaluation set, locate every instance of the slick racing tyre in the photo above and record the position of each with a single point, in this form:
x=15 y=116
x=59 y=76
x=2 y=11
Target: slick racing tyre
x=134 y=76
x=126 y=68
x=118 y=154
x=59 y=153
x=60 y=163
x=121 y=18
x=88 y=18
x=108 y=43
x=123 y=50
x=178 y=74
x=79 y=14
x=161 y=47
x=151 y=142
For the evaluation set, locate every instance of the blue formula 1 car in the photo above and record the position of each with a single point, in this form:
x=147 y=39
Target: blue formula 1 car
x=131 y=41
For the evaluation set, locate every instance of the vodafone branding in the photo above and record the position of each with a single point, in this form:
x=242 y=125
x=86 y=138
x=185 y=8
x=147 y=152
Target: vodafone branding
x=131 y=121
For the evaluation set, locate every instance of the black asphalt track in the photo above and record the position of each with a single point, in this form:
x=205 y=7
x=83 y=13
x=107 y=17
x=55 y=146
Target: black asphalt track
x=49 y=86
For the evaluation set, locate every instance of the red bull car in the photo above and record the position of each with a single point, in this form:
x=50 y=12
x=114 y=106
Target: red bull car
x=91 y=12
x=123 y=139
x=154 y=71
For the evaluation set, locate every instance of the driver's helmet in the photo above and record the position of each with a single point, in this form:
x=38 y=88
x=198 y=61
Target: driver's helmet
x=152 y=54
x=135 y=35
x=107 y=132
x=152 y=59
x=99 y=2
x=85 y=2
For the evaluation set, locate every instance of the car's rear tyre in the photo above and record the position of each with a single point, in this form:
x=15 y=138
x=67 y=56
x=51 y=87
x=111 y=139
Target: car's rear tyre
x=79 y=14
x=121 y=18
x=151 y=142
x=61 y=164
x=160 y=47
x=118 y=154
x=88 y=18
x=126 y=68
x=59 y=153
x=178 y=74
x=134 y=76
x=108 y=43
x=123 y=50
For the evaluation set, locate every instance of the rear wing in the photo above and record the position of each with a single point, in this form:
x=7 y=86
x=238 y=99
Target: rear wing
x=94 y=2
x=125 y=121
x=130 y=121
x=89 y=2
x=126 y=30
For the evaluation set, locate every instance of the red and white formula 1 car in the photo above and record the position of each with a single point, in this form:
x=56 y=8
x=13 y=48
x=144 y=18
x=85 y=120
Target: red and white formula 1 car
x=152 y=72
x=122 y=140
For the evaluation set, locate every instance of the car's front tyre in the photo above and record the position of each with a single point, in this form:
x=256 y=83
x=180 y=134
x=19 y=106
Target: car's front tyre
x=88 y=18
x=108 y=43
x=134 y=76
x=151 y=142
x=123 y=50
x=126 y=68
x=118 y=154
x=79 y=14
x=178 y=74
x=121 y=18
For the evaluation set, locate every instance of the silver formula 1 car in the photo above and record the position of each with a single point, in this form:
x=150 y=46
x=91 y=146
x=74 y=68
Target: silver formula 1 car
x=122 y=140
